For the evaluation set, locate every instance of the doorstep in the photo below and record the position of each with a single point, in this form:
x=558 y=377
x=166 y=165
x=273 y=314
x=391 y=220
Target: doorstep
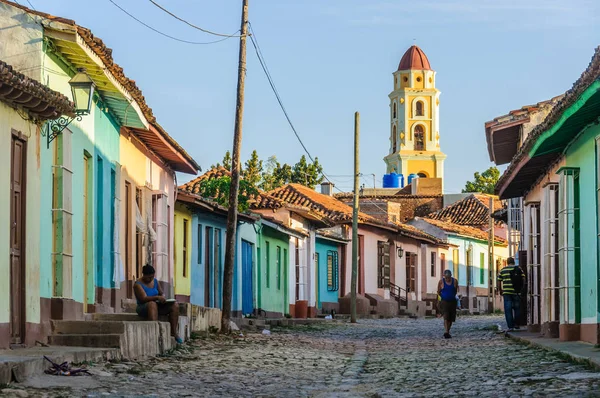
x=578 y=351
x=19 y=364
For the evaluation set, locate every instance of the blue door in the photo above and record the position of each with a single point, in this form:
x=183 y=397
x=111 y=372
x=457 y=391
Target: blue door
x=247 y=296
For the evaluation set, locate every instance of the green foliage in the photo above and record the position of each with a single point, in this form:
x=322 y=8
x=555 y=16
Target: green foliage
x=307 y=174
x=253 y=170
x=218 y=190
x=484 y=182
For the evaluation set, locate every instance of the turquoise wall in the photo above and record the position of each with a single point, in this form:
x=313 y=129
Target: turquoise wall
x=478 y=249
x=582 y=154
x=106 y=155
x=323 y=247
x=272 y=285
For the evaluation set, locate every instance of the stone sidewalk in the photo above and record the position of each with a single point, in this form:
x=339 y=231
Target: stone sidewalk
x=578 y=351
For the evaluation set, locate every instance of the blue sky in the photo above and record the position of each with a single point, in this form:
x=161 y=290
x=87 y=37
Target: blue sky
x=332 y=58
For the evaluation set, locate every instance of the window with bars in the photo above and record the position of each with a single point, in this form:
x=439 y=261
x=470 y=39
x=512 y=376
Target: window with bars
x=160 y=225
x=383 y=265
x=482 y=268
x=185 y=247
x=568 y=249
x=470 y=278
x=551 y=271
x=455 y=261
x=278 y=259
x=411 y=272
x=433 y=261
x=532 y=234
x=268 y=263
x=332 y=271
x=199 y=243
x=442 y=264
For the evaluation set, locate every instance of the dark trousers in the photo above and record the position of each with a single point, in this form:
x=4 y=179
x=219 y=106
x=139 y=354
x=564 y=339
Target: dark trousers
x=512 y=310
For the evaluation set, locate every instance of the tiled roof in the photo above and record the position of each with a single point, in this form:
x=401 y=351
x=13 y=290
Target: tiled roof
x=520 y=114
x=211 y=206
x=591 y=74
x=328 y=208
x=472 y=210
x=193 y=186
x=105 y=55
x=464 y=230
x=22 y=92
x=325 y=206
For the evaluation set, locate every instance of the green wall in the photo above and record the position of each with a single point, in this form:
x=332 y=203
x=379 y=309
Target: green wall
x=582 y=154
x=272 y=270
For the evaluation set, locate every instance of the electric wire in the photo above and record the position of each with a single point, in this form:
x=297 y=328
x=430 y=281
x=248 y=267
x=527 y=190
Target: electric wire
x=265 y=69
x=191 y=24
x=164 y=34
x=29 y=2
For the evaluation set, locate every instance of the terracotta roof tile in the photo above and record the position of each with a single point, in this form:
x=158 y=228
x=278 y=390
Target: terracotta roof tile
x=472 y=210
x=193 y=186
x=329 y=208
x=464 y=230
x=41 y=102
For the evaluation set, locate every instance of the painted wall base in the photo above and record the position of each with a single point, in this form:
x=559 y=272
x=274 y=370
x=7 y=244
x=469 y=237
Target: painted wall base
x=590 y=333
x=569 y=332
x=550 y=329
x=363 y=306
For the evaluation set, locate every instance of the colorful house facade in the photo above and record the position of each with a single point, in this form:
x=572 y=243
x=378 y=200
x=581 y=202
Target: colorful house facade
x=554 y=176
x=109 y=174
x=25 y=105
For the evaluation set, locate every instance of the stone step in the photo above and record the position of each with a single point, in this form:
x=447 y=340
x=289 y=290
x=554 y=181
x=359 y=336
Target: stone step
x=123 y=317
x=86 y=340
x=87 y=327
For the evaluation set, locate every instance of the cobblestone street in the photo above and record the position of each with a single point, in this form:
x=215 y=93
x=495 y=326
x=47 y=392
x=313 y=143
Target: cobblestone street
x=395 y=357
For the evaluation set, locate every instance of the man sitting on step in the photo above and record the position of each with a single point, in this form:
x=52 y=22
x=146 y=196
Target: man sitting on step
x=151 y=301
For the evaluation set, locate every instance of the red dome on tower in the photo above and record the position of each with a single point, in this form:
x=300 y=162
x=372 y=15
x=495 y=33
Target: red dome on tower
x=414 y=58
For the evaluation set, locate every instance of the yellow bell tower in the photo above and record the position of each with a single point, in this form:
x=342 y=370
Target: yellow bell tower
x=414 y=119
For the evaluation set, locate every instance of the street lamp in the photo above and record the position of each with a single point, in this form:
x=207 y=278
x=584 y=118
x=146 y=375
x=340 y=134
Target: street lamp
x=400 y=251
x=82 y=89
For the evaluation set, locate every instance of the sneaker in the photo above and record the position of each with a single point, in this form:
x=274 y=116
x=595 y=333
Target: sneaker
x=179 y=340
x=510 y=330
x=447 y=335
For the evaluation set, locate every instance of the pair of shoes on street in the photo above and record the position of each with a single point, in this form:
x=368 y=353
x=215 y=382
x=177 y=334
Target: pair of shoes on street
x=179 y=340
x=447 y=336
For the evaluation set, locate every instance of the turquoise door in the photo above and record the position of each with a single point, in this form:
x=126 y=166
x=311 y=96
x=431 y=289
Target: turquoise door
x=247 y=293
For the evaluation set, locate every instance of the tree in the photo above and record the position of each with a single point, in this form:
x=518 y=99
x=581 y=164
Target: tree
x=217 y=189
x=254 y=169
x=307 y=174
x=227 y=161
x=484 y=182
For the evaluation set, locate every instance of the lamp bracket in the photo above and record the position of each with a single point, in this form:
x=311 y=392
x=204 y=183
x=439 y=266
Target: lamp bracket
x=55 y=127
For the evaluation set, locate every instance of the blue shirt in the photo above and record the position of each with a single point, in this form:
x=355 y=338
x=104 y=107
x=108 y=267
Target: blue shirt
x=150 y=291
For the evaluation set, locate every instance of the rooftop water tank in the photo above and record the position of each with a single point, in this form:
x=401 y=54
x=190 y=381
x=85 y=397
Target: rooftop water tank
x=412 y=177
x=401 y=178
x=391 y=180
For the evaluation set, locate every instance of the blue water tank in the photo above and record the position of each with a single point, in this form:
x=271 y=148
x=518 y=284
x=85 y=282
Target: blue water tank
x=391 y=181
x=401 y=178
x=412 y=177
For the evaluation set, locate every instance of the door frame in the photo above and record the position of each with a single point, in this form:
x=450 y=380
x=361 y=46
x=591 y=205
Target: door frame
x=18 y=136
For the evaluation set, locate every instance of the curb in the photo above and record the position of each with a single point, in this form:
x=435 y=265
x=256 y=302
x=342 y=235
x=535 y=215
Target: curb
x=571 y=357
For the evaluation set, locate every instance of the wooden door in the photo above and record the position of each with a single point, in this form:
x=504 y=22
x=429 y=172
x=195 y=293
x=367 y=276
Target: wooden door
x=361 y=264
x=247 y=291
x=17 y=242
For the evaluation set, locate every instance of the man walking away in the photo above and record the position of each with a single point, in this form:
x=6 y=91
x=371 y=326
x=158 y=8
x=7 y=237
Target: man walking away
x=447 y=289
x=511 y=281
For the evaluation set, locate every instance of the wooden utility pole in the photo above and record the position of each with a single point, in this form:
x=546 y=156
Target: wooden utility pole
x=355 y=222
x=235 y=179
x=491 y=263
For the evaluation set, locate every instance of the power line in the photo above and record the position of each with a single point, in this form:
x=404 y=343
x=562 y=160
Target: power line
x=265 y=69
x=191 y=24
x=164 y=34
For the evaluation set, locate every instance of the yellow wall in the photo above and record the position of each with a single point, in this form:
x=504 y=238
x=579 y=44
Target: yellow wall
x=10 y=119
x=417 y=166
x=182 y=283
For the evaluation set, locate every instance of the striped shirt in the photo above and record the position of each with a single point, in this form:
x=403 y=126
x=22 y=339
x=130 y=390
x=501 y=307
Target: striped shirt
x=504 y=277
